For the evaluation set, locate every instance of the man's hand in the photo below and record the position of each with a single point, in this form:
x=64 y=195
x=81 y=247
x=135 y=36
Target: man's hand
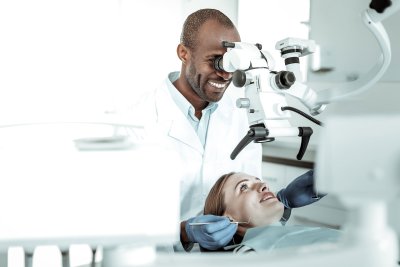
x=300 y=192
x=216 y=233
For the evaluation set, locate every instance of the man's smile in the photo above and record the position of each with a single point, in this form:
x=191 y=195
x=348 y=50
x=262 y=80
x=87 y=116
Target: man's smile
x=218 y=85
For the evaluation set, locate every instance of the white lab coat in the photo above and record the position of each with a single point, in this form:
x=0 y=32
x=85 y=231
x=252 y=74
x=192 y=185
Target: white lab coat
x=200 y=166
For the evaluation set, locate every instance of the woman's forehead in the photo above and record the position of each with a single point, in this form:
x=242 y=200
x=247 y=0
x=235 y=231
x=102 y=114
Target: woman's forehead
x=237 y=177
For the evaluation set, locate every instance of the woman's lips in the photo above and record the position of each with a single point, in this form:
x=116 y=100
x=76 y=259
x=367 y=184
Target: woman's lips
x=266 y=196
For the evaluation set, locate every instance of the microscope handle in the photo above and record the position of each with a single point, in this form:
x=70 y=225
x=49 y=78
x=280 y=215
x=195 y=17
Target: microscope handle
x=252 y=134
x=305 y=133
x=380 y=5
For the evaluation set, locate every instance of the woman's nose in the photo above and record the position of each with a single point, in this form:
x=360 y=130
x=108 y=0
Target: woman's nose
x=263 y=187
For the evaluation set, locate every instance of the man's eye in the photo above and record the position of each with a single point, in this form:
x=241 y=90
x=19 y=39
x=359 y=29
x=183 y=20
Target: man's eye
x=212 y=59
x=244 y=187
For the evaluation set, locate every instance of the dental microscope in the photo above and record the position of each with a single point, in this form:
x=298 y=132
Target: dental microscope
x=266 y=90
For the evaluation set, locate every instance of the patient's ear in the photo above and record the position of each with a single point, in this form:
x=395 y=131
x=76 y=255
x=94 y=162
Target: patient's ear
x=242 y=228
x=226 y=214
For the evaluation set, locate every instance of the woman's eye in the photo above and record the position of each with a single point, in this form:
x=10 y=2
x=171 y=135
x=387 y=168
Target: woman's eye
x=244 y=187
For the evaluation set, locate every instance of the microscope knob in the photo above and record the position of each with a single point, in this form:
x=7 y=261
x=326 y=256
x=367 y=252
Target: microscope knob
x=243 y=103
x=285 y=79
x=239 y=78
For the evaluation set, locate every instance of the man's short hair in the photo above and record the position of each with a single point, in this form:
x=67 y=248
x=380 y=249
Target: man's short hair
x=195 y=20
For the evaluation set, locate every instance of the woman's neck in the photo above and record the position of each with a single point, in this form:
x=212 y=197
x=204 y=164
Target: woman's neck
x=241 y=231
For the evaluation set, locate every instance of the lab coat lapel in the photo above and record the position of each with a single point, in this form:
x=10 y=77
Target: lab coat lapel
x=189 y=136
x=219 y=126
x=179 y=127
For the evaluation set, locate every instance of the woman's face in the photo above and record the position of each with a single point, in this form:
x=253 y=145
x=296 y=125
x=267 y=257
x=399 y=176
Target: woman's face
x=247 y=197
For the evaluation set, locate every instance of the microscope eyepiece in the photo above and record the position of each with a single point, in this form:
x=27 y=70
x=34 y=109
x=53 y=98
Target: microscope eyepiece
x=218 y=63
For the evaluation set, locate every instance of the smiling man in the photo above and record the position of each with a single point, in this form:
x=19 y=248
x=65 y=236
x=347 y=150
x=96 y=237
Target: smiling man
x=199 y=82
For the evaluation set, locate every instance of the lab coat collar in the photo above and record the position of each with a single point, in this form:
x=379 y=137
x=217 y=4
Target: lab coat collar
x=178 y=127
x=174 y=121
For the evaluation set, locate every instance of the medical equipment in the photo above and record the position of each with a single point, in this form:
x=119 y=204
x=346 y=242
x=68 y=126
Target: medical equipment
x=265 y=89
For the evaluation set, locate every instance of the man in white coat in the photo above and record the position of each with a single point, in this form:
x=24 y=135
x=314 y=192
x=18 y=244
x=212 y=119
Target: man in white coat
x=194 y=114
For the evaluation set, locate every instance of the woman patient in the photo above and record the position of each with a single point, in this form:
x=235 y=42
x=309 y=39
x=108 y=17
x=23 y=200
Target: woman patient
x=248 y=201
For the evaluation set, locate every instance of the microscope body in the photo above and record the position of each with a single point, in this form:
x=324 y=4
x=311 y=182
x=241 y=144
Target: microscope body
x=266 y=90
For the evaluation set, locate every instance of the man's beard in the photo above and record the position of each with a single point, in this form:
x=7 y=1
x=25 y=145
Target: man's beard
x=195 y=84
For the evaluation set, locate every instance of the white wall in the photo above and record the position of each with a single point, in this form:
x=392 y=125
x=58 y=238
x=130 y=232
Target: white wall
x=267 y=22
x=69 y=58
x=228 y=7
x=61 y=60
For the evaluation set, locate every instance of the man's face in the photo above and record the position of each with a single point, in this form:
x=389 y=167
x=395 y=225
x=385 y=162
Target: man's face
x=248 y=199
x=208 y=83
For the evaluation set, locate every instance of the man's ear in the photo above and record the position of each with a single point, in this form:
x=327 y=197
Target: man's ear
x=183 y=53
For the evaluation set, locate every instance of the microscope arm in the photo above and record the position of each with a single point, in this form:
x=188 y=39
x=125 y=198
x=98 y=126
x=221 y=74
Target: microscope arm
x=258 y=133
x=372 y=20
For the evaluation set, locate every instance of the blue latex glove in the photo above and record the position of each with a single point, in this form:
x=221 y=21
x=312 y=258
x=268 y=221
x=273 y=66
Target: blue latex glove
x=300 y=192
x=211 y=236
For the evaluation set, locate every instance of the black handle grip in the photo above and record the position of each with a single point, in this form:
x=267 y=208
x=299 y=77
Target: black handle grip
x=243 y=143
x=305 y=133
x=254 y=133
x=380 y=5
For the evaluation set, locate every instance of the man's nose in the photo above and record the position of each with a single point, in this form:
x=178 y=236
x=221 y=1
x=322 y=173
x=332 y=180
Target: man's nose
x=225 y=75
